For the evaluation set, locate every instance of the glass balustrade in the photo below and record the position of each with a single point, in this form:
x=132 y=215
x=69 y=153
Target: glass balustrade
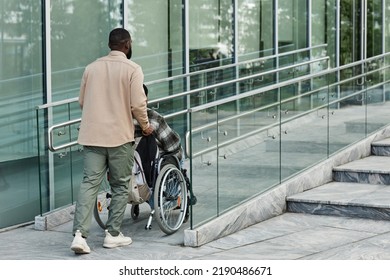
x=246 y=140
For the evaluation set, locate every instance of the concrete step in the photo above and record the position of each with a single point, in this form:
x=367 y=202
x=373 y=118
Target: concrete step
x=356 y=200
x=381 y=147
x=370 y=170
x=360 y=189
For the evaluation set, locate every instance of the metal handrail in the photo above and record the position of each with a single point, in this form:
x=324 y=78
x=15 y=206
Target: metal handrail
x=264 y=58
x=270 y=88
x=64 y=102
x=288 y=82
x=75 y=99
x=233 y=98
x=50 y=136
x=57 y=103
x=182 y=76
x=263 y=129
x=233 y=81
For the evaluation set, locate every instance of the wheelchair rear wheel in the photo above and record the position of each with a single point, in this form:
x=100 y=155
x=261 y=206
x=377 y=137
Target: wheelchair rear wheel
x=134 y=211
x=102 y=205
x=170 y=199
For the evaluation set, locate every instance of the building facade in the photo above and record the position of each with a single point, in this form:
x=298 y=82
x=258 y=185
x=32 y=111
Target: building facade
x=45 y=45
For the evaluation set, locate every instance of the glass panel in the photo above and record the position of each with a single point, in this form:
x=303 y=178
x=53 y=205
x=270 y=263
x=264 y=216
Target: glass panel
x=331 y=20
x=210 y=45
x=377 y=108
x=304 y=68
x=374 y=27
x=377 y=98
x=61 y=114
x=245 y=166
x=157 y=32
x=292 y=28
x=375 y=75
x=318 y=21
x=256 y=38
x=352 y=82
x=292 y=25
x=20 y=93
x=323 y=20
x=303 y=134
x=386 y=31
x=67 y=164
x=346 y=122
x=204 y=164
x=255 y=71
x=320 y=91
x=66 y=18
x=250 y=105
x=67 y=170
x=209 y=78
x=386 y=28
x=63 y=179
x=237 y=158
x=74 y=47
x=350 y=31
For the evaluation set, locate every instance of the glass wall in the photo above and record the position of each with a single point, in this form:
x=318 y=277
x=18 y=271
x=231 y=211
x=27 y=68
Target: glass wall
x=386 y=31
x=72 y=48
x=255 y=32
x=211 y=44
x=292 y=35
x=272 y=147
x=292 y=25
x=157 y=30
x=20 y=91
x=351 y=27
x=230 y=34
x=386 y=28
x=157 y=33
x=361 y=29
x=323 y=21
x=255 y=19
x=374 y=27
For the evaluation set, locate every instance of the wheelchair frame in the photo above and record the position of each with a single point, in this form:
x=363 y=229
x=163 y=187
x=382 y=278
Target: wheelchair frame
x=169 y=202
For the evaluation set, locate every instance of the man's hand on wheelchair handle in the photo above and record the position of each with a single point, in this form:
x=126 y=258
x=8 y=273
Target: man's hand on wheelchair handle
x=147 y=131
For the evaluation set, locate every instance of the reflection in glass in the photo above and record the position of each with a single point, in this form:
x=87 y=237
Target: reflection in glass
x=210 y=45
x=20 y=92
x=292 y=25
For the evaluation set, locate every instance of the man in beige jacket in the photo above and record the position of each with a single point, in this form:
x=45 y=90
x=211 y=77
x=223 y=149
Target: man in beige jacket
x=111 y=95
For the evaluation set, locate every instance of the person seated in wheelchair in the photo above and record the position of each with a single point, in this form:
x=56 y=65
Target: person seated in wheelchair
x=168 y=140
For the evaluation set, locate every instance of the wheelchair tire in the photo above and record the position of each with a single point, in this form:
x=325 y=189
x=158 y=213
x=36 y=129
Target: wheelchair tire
x=170 y=199
x=102 y=205
x=134 y=211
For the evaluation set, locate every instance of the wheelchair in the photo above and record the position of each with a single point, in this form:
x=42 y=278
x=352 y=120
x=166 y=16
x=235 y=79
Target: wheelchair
x=170 y=192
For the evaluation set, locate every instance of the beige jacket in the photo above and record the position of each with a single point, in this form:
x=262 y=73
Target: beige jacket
x=111 y=94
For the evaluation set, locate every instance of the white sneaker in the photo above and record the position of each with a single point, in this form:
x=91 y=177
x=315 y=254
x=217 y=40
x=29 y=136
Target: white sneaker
x=116 y=241
x=79 y=244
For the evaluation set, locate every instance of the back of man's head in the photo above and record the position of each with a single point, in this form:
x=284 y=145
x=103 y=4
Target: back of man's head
x=117 y=37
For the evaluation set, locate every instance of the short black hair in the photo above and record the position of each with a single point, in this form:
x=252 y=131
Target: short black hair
x=118 y=36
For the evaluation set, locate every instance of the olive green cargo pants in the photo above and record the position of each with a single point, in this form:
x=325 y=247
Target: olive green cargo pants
x=97 y=160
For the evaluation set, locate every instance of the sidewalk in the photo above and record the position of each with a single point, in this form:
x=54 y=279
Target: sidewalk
x=287 y=237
